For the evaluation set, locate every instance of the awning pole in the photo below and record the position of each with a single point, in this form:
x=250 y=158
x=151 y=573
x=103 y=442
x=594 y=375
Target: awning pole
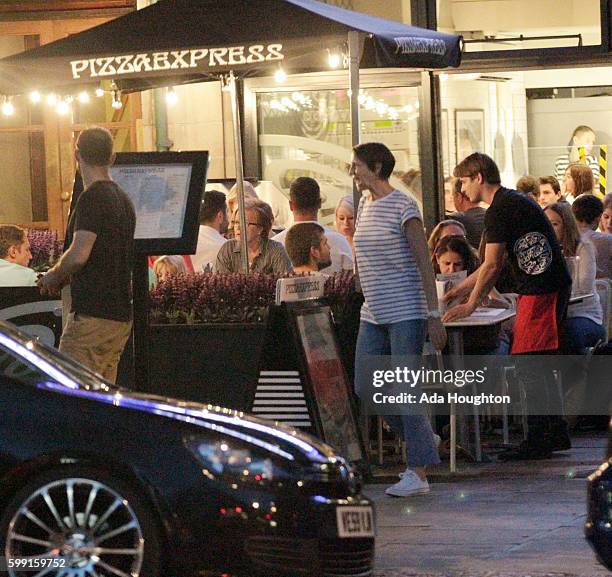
x=354 y=46
x=354 y=55
x=244 y=247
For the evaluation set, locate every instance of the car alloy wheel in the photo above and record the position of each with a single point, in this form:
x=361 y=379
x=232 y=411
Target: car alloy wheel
x=83 y=525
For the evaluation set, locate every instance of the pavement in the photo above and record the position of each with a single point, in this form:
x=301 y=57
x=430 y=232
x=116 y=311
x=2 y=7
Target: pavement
x=492 y=519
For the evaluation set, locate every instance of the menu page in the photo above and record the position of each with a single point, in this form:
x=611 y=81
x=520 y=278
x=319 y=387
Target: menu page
x=159 y=193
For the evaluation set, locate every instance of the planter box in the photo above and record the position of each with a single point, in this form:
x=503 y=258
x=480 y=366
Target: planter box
x=216 y=363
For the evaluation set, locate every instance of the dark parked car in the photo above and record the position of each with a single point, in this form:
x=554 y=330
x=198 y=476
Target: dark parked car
x=97 y=480
x=598 y=527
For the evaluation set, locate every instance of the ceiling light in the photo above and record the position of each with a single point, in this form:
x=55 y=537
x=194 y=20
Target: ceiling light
x=62 y=108
x=7 y=108
x=334 y=60
x=171 y=97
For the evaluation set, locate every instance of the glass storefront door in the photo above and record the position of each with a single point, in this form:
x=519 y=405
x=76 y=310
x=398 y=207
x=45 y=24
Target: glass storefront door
x=306 y=131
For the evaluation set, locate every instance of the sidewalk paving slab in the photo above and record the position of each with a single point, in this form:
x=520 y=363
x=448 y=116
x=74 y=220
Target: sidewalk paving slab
x=491 y=520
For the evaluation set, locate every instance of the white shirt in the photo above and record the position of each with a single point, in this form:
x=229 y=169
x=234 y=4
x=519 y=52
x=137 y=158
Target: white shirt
x=209 y=243
x=340 y=249
x=12 y=274
x=388 y=271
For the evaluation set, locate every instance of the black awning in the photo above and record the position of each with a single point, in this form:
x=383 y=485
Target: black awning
x=179 y=41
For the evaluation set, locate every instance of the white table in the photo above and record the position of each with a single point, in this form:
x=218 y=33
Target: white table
x=481 y=317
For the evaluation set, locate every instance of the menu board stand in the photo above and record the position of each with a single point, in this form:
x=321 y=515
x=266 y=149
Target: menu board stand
x=302 y=379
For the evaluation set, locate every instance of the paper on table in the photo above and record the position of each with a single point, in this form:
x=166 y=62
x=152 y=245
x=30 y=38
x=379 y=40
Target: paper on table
x=486 y=312
x=445 y=282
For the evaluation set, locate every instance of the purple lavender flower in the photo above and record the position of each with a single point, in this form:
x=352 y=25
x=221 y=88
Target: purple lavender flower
x=229 y=297
x=45 y=248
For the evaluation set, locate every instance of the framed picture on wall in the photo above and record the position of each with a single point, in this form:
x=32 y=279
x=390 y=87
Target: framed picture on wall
x=469 y=132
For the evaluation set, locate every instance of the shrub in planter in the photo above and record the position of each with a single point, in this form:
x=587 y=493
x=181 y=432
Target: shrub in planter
x=207 y=332
x=45 y=247
x=211 y=298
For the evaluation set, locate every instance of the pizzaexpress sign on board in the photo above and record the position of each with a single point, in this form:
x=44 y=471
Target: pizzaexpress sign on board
x=175 y=60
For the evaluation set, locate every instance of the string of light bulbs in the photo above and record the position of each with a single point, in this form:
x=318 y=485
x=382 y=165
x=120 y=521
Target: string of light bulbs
x=63 y=103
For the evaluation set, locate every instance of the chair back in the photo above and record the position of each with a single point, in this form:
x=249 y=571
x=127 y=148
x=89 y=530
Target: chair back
x=604 y=290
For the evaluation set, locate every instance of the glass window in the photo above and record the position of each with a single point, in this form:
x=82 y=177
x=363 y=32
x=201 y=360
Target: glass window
x=532 y=122
x=308 y=133
x=485 y=113
x=521 y=24
x=569 y=125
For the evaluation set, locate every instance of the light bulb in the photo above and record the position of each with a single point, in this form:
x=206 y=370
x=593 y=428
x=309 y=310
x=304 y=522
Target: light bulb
x=35 y=96
x=171 y=97
x=381 y=107
x=99 y=92
x=7 y=108
x=51 y=99
x=333 y=60
x=62 y=108
x=280 y=76
x=116 y=104
x=83 y=97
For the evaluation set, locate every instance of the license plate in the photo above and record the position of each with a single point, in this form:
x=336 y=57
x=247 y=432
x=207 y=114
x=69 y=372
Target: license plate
x=355 y=521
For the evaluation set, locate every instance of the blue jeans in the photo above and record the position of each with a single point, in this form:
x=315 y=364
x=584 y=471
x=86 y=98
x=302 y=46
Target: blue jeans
x=403 y=338
x=579 y=333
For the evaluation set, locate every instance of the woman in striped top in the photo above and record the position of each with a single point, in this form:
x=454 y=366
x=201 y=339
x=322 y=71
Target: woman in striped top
x=398 y=285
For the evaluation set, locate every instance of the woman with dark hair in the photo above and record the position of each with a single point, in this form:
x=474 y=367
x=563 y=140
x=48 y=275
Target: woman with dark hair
x=454 y=254
x=584 y=323
x=401 y=305
x=578 y=180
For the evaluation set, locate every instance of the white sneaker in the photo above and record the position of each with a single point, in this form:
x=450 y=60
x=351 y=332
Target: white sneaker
x=437 y=441
x=409 y=484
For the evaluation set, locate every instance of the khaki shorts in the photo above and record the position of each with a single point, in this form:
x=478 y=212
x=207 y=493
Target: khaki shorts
x=96 y=343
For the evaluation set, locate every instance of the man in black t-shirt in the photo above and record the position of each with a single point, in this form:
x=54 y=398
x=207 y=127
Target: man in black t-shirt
x=516 y=228
x=98 y=262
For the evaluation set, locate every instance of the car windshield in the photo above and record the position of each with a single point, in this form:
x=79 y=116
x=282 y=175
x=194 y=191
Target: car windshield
x=15 y=341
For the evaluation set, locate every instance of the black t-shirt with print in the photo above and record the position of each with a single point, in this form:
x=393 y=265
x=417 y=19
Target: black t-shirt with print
x=534 y=254
x=102 y=288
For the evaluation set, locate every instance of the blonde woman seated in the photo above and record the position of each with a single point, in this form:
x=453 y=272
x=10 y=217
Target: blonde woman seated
x=168 y=265
x=345 y=219
x=264 y=255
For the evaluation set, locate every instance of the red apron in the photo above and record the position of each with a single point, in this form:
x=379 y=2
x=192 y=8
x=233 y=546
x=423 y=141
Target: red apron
x=535 y=328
